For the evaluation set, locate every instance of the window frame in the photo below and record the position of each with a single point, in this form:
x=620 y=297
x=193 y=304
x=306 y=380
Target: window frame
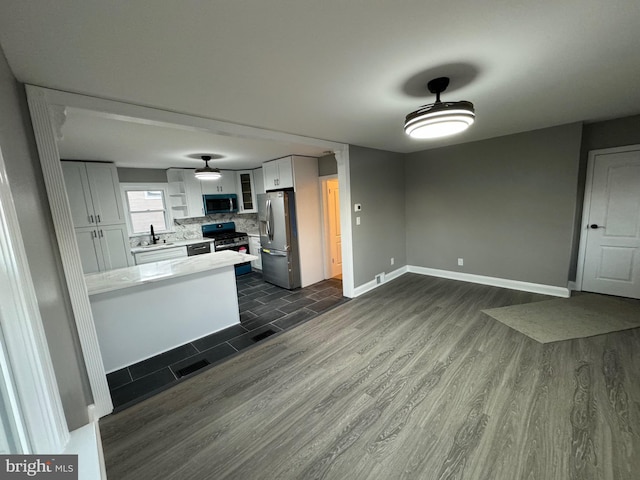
x=164 y=187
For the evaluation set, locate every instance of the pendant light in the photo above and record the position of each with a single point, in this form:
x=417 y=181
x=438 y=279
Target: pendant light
x=206 y=172
x=439 y=119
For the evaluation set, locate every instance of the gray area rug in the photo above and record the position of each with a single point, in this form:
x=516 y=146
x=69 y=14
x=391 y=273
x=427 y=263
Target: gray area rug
x=583 y=315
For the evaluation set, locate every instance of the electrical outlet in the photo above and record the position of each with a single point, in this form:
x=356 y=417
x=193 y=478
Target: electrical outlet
x=357 y=220
x=461 y=262
x=393 y=260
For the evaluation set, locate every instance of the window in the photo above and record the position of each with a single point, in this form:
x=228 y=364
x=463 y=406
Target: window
x=146 y=205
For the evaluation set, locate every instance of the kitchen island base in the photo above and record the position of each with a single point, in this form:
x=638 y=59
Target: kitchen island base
x=144 y=320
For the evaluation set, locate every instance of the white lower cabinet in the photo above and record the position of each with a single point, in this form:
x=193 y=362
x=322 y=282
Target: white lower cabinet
x=168 y=253
x=254 y=249
x=103 y=248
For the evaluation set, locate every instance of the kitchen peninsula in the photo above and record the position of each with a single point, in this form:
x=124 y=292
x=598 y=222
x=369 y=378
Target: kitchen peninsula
x=148 y=309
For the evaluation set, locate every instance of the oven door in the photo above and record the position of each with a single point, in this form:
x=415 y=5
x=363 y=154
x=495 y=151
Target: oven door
x=241 y=268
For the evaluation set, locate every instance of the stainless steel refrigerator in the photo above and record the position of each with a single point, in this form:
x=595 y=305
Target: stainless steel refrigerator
x=279 y=239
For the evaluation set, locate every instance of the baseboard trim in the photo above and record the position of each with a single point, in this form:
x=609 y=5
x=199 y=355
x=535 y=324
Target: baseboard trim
x=493 y=281
x=573 y=286
x=367 y=287
x=87 y=444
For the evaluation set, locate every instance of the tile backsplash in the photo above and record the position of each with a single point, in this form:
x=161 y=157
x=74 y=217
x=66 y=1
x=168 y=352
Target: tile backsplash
x=191 y=228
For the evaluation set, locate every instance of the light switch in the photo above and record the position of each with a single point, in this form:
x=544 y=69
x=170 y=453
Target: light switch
x=357 y=207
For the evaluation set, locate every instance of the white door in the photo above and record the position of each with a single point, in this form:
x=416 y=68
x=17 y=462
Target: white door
x=612 y=227
x=335 y=236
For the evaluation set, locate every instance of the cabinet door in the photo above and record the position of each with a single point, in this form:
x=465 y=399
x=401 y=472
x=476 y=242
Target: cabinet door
x=90 y=251
x=159 y=255
x=285 y=173
x=78 y=193
x=258 y=181
x=225 y=184
x=193 y=191
x=105 y=193
x=246 y=192
x=270 y=174
x=114 y=243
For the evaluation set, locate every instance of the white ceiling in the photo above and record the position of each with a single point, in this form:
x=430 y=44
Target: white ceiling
x=92 y=136
x=345 y=71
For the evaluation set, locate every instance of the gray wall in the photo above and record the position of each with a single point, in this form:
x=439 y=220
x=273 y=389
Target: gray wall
x=142 y=175
x=27 y=186
x=377 y=182
x=506 y=205
x=327 y=165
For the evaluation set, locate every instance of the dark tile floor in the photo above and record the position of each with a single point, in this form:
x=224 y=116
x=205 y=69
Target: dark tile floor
x=264 y=310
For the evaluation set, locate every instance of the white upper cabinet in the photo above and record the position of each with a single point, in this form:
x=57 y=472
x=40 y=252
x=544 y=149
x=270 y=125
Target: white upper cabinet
x=93 y=190
x=185 y=193
x=246 y=192
x=224 y=185
x=258 y=181
x=278 y=174
x=77 y=183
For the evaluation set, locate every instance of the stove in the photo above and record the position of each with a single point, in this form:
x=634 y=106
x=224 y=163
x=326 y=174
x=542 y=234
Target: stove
x=226 y=238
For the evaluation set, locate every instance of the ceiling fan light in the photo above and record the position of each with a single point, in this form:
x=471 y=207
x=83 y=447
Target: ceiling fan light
x=206 y=172
x=439 y=119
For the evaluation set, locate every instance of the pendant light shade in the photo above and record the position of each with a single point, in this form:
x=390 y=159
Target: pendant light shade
x=206 y=172
x=439 y=119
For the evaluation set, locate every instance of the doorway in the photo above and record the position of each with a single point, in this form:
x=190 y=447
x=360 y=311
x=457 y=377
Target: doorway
x=609 y=258
x=332 y=230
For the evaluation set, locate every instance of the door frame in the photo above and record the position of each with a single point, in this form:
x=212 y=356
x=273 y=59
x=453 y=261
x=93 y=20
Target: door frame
x=47 y=108
x=326 y=247
x=33 y=397
x=586 y=206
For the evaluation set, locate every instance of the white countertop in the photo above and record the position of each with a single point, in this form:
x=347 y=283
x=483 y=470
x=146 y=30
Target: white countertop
x=122 y=278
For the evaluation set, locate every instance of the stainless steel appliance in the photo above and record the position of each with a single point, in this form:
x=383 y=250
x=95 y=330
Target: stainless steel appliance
x=225 y=237
x=220 y=203
x=198 y=248
x=279 y=239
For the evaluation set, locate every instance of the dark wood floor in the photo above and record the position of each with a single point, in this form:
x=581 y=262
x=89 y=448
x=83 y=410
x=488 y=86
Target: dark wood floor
x=409 y=381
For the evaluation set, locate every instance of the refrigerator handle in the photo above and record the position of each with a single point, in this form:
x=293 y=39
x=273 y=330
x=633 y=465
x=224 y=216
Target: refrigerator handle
x=269 y=215
x=274 y=254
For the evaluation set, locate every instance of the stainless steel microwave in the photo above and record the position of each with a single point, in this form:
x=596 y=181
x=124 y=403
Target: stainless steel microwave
x=220 y=203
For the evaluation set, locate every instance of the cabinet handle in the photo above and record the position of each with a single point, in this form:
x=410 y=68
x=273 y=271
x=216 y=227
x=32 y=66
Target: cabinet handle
x=90 y=218
x=94 y=234
x=101 y=234
x=98 y=219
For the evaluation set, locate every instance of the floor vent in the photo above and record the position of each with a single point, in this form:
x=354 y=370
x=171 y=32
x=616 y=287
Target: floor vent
x=189 y=369
x=263 y=335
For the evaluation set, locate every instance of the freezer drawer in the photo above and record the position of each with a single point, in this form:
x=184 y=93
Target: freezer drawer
x=278 y=269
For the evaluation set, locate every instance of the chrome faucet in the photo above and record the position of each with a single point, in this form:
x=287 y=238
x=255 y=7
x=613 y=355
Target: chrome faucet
x=154 y=238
